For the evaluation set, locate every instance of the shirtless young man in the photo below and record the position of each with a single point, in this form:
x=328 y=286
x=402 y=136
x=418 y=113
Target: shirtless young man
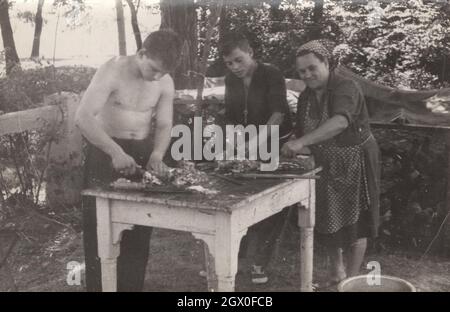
x=115 y=117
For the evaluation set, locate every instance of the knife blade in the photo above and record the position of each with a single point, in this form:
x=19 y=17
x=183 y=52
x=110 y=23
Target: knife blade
x=141 y=187
x=220 y=176
x=275 y=176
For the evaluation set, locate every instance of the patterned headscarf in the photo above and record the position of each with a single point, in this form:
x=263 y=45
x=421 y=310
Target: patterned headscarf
x=321 y=47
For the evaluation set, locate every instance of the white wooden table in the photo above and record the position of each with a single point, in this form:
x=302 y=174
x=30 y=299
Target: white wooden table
x=219 y=220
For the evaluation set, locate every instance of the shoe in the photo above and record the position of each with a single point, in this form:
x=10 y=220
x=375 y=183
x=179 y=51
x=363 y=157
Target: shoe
x=258 y=275
x=326 y=285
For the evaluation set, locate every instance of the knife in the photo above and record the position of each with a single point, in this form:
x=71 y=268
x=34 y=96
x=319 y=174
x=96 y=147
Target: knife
x=141 y=187
x=276 y=176
x=220 y=176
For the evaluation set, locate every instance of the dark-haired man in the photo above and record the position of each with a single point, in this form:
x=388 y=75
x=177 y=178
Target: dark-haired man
x=115 y=116
x=255 y=94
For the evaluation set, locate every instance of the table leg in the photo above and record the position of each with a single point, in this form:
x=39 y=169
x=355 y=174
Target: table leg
x=210 y=269
x=108 y=236
x=306 y=265
x=221 y=256
x=306 y=220
x=226 y=261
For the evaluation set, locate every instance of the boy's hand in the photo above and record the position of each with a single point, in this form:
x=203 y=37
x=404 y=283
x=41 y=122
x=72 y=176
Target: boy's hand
x=124 y=163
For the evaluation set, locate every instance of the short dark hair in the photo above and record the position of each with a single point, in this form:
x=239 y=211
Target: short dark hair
x=165 y=45
x=232 y=41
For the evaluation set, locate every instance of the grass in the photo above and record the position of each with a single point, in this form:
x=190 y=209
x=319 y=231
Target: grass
x=39 y=263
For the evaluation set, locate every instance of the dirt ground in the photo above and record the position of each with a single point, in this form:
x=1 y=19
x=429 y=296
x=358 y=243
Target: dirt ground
x=39 y=263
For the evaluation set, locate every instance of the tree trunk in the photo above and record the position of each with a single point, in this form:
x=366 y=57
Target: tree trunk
x=11 y=57
x=135 y=24
x=224 y=23
x=37 y=30
x=212 y=22
x=121 y=28
x=181 y=16
x=316 y=29
x=276 y=15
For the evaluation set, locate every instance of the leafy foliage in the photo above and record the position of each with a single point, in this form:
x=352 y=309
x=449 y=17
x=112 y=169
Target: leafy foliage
x=404 y=44
x=23 y=161
x=24 y=89
x=401 y=43
x=76 y=12
x=27 y=16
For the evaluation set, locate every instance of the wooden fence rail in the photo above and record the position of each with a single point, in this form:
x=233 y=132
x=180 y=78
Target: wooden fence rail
x=64 y=173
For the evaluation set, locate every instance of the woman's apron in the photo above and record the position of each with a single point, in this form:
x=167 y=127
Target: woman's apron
x=342 y=190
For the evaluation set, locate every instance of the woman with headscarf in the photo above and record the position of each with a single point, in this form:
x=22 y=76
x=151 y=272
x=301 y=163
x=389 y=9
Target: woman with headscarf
x=333 y=124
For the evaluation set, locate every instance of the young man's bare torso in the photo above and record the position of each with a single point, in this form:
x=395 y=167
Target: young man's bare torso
x=127 y=114
x=120 y=102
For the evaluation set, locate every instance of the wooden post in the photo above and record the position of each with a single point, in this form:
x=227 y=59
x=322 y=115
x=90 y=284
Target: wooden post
x=64 y=174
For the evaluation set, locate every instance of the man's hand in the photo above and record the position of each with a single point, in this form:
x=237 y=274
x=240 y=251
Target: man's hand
x=156 y=164
x=124 y=163
x=292 y=148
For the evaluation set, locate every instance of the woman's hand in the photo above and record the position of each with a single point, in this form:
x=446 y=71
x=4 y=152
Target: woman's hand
x=292 y=148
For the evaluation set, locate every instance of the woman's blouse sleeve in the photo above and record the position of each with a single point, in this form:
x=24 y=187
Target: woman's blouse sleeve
x=346 y=100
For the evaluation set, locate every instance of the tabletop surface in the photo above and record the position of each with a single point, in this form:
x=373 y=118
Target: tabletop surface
x=229 y=196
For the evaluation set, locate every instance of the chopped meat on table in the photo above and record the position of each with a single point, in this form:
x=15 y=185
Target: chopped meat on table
x=238 y=166
x=149 y=178
x=187 y=174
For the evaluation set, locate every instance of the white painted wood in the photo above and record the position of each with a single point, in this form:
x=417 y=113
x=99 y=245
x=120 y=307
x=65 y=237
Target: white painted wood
x=306 y=261
x=306 y=213
x=273 y=190
x=107 y=250
x=174 y=218
x=147 y=198
x=31 y=119
x=268 y=204
x=117 y=231
x=306 y=221
x=221 y=229
x=210 y=265
x=227 y=241
x=223 y=249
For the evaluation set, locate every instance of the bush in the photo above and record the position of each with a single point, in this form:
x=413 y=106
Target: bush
x=24 y=157
x=24 y=89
